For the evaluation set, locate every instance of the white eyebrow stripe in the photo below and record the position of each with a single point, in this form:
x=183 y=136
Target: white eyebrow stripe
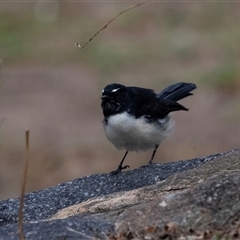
x=103 y=91
x=114 y=90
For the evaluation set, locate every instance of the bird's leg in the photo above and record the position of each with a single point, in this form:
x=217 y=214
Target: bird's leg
x=120 y=166
x=153 y=154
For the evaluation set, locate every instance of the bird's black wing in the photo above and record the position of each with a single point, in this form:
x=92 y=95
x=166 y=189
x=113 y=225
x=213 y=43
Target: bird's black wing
x=145 y=102
x=159 y=109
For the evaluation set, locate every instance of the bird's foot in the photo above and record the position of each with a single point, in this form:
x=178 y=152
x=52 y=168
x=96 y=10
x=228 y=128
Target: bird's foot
x=150 y=162
x=119 y=169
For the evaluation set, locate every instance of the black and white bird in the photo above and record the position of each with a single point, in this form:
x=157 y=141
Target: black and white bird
x=137 y=119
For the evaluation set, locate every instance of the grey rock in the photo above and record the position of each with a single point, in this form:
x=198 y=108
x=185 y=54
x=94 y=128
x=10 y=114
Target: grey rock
x=145 y=203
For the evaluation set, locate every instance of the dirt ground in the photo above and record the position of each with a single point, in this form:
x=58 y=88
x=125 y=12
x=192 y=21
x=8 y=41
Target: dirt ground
x=61 y=107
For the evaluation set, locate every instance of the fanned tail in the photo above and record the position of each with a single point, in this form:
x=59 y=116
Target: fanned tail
x=177 y=91
x=174 y=93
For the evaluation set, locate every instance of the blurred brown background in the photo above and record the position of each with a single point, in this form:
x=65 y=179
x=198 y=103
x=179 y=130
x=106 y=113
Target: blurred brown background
x=53 y=88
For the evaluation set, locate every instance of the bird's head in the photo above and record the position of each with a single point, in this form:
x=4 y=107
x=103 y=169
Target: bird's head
x=114 y=97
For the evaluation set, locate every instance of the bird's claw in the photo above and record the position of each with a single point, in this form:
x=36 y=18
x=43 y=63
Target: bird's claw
x=119 y=169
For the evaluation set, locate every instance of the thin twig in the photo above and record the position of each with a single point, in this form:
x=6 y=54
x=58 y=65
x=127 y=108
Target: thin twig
x=1 y=119
x=106 y=25
x=24 y=181
x=1 y=67
x=1 y=64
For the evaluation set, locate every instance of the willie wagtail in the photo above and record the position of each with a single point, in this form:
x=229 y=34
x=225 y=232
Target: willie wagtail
x=137 y=119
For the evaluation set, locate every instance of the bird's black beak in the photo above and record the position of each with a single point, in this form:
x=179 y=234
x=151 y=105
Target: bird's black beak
x=104 y=97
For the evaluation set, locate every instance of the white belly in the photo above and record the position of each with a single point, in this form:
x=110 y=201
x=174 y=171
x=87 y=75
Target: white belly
x=131 y=134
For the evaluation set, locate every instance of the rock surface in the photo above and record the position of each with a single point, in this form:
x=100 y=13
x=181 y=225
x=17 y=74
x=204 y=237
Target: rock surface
x=197 y=198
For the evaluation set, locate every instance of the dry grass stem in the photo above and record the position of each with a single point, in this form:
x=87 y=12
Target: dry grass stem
x=24 y=181
x=106 y=25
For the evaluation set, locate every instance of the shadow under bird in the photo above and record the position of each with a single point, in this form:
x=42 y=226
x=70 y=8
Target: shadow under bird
x=137 y=119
